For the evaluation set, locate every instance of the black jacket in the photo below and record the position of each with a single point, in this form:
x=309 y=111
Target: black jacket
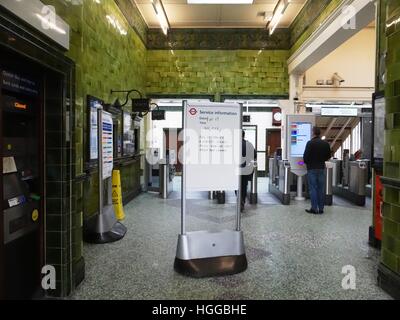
x=316 y=154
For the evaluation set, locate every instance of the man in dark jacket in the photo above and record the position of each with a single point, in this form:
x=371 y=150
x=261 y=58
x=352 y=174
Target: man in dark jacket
x=249 y=154
x=316 y=154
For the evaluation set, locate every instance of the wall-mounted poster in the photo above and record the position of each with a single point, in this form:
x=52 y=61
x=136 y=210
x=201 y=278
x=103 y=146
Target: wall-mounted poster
x=108 y=145
x=93 y=105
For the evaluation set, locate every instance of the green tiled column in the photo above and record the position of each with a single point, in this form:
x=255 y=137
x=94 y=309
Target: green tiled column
x=389 y=271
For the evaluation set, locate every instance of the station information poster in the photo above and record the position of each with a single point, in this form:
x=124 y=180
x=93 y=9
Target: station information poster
x=300 y=134
x=93 y=131
x=212 y=146
x=107 y=138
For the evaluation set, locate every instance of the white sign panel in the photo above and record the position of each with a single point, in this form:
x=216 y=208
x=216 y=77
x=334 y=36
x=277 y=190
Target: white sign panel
x=107 y=136
x=212 y=146
x=42 y=17
x=339 y=112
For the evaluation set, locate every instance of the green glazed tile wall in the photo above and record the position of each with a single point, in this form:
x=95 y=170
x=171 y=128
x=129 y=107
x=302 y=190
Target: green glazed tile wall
x=391 y=214
x=217 y=72
x=218 y=39
x=323 y=15
x=308 y=14
x=104 y=60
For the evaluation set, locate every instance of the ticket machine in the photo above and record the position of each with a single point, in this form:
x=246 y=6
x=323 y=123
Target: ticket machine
x=298 y=133
x=22 y=191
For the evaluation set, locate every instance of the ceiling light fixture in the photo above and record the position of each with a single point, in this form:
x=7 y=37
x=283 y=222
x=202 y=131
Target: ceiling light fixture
x=220 y=1
x=161 y=15
x=278 y=15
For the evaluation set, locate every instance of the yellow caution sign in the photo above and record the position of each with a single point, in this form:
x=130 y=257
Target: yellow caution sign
x=117 y=195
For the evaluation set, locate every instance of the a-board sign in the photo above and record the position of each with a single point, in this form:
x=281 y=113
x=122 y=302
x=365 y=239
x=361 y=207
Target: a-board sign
x=212 y=146
x=108 y=145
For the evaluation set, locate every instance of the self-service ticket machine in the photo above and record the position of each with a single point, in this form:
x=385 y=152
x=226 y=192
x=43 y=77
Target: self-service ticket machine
x=298 y=133
x=22 y=196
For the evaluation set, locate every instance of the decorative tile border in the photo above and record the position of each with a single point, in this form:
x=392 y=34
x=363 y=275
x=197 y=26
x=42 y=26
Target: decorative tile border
x=219 y=39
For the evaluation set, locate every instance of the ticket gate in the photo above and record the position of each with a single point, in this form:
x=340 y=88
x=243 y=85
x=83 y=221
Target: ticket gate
x=167 y=174
x=350 y=183
x=329 y=184
x=279 y=182
x=254 y=187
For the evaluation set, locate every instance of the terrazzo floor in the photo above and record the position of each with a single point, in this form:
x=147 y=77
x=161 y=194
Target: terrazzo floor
x=291 y=254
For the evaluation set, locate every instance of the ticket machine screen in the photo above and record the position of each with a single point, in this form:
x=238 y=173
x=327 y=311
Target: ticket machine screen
x=300 y=134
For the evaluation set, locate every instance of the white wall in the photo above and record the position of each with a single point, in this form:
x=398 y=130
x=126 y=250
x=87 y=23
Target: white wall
x=173 y=119
x=354 y=61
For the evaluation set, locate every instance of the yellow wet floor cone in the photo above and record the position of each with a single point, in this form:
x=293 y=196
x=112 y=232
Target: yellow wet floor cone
x=117 y=195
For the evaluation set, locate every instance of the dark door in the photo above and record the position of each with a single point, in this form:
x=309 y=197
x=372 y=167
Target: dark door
x=273 y=142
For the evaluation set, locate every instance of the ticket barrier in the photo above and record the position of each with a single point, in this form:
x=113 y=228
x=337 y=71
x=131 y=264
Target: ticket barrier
x=329 y=184
x=352 y=185
x=254 y=187
x=220 y=196
x=279 y=184
x=167 y=174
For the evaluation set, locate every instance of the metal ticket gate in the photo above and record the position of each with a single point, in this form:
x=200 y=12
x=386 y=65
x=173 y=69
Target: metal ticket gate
x=279 y=184
x=254 y=185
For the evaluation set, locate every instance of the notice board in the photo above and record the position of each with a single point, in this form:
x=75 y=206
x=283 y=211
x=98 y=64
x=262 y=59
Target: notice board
x=212 y=146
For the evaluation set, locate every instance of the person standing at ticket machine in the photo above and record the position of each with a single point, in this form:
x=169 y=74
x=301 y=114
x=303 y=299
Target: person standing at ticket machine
x=249 y=155
x=317 y=152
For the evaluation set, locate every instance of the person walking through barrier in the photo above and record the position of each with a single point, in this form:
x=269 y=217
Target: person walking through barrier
x=317 y=152
x=249 y=155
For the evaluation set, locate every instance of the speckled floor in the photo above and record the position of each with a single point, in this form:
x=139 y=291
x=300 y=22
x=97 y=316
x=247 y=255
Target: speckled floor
x=291 y=254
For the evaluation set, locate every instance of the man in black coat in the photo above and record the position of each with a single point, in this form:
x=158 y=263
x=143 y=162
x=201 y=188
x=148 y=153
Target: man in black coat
x=249 y=154
x=316 y=154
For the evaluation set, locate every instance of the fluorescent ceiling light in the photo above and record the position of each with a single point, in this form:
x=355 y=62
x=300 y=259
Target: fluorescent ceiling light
x=278 y=15
x=161 y=15
x=220 y=1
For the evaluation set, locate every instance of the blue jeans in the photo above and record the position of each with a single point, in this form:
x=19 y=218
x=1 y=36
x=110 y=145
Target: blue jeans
x=316 y=187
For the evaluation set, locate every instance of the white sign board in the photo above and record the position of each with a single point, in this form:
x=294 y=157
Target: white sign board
x=107 y=138
x=212 y=146
x=339 y=112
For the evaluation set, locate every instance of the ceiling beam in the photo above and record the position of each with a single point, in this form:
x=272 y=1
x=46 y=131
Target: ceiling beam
x=341 y=132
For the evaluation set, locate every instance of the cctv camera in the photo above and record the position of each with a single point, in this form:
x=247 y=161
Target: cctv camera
x=337 y=80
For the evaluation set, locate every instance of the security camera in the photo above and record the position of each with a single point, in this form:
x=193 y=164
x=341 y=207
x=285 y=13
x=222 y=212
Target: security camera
x=337 y=80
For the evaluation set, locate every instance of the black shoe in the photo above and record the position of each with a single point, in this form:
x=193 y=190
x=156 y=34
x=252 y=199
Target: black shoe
x=312 y=211
x=320 y=212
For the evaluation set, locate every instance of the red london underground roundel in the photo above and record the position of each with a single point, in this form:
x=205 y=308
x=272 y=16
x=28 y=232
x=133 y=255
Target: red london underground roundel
x=193 y=111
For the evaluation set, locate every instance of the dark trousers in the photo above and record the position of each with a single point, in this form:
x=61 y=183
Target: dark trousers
x=244 y=184
x=316 y=187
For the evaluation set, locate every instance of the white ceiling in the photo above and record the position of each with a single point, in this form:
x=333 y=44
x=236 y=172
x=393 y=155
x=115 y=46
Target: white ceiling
x=183 y=15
